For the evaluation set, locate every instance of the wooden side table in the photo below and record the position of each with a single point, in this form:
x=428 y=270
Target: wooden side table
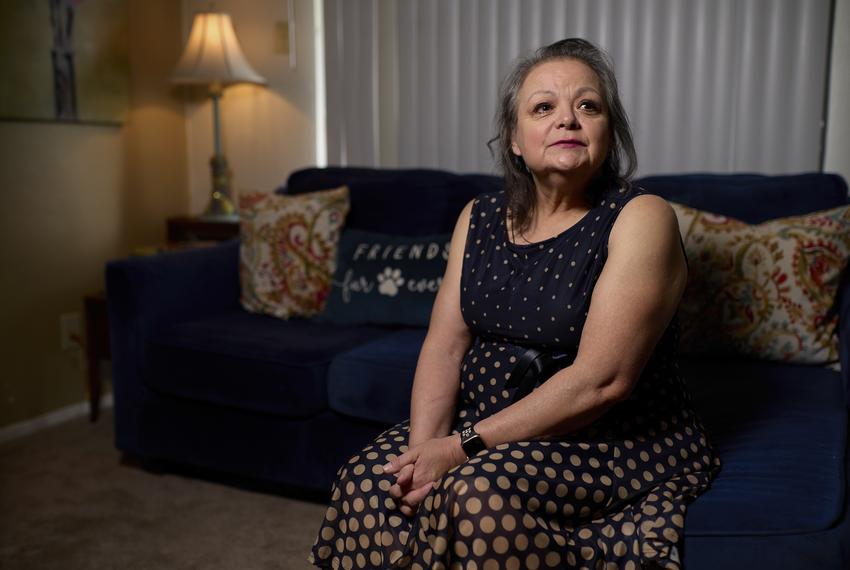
x=190 y=228
x=97 y=347
x=182 y=232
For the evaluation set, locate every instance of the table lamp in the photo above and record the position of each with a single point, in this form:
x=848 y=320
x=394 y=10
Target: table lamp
x=212 y=56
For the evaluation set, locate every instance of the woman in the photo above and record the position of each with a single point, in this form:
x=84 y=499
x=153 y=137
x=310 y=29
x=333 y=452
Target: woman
x=595 y=467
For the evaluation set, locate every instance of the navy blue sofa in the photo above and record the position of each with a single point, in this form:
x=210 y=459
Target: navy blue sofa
x=200 y=382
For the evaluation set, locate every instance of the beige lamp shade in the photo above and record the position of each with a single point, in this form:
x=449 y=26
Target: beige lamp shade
x=213 y=55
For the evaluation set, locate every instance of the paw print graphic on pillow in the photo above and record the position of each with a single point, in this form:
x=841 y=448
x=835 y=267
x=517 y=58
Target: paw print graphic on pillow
x=389 y=281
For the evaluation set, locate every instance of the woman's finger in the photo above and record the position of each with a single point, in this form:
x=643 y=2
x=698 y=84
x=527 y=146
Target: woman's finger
x=395 y=464
x=405 y=476
x=402 y=482
x=416 y=496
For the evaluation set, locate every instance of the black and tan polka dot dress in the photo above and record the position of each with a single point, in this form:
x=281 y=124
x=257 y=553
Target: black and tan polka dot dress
x=611 y=495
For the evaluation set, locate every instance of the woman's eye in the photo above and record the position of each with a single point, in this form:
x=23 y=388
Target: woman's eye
x=588 y=106
x=542 y=108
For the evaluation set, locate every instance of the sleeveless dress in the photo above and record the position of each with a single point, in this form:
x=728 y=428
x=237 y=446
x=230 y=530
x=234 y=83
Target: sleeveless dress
x=610 y=495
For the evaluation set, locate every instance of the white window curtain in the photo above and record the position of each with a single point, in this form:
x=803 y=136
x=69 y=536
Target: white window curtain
x=709 y=85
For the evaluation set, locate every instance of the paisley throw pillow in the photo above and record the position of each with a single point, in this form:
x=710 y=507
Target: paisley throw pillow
x=764 y=290
x=288 y=250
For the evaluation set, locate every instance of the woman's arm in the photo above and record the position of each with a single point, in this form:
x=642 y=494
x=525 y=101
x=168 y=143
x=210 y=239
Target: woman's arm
x=435 y=385
x=633 y=302
x=437 y=377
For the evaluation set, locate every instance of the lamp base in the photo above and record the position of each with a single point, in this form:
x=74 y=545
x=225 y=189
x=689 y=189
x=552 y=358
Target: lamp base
x=220 y=206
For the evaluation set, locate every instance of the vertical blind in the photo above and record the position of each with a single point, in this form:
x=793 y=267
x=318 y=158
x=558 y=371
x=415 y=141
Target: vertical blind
x=709 y=85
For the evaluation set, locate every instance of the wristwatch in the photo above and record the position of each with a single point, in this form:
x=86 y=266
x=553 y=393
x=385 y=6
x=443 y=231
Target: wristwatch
x=471 y=442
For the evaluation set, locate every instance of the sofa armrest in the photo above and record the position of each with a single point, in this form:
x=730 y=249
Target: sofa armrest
x=159 y=290
x=144 y=294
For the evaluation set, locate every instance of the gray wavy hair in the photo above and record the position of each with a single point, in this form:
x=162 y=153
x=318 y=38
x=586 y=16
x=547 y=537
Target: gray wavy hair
x=620 y=163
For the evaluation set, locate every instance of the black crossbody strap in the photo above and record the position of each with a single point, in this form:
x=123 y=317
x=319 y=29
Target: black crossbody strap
x=525 y=361
x=532 y=367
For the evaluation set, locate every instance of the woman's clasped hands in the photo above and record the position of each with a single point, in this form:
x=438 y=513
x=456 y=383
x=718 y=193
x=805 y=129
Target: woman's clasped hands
x=419 y=468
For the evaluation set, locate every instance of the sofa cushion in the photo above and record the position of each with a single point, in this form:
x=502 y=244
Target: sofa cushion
x=762 y=417
x=250 y=361
x=373 y=381
x=780 y=431
x=386 y=279
x=391 y=201
x=753 y=198
x=765 y=290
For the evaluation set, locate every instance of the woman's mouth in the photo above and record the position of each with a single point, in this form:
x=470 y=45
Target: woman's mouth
x=568 y=143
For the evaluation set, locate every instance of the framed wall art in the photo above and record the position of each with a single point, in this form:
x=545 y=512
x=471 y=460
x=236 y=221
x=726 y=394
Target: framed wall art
x=64 y=60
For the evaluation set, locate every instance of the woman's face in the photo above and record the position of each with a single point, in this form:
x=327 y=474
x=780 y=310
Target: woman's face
x=562 y=122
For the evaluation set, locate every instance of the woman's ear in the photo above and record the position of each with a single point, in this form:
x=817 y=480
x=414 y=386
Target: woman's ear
x=515 y=148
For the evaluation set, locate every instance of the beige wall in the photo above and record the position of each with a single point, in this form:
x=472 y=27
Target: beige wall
x=267 y=131
x=75 y=196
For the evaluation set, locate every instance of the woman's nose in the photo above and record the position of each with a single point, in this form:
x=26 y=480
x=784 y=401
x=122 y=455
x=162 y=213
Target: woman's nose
x=568 y=120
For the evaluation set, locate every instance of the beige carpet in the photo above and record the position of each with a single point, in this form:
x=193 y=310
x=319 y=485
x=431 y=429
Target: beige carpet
x=67 y=501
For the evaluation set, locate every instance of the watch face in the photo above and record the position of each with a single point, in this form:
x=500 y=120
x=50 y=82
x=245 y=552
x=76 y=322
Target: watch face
x=471 y=442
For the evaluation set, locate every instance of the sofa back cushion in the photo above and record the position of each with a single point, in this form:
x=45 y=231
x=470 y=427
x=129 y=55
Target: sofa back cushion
x=393 y=201
x=752 y=198
x=409 y=202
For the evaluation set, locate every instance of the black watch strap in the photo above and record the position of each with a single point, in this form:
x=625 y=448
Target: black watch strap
x=471 y=442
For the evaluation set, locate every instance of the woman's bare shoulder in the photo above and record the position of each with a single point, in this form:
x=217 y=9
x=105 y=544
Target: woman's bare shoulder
x=645 y=216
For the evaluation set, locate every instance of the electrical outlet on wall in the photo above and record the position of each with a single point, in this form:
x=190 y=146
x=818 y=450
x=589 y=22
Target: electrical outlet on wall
x=70 y=331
